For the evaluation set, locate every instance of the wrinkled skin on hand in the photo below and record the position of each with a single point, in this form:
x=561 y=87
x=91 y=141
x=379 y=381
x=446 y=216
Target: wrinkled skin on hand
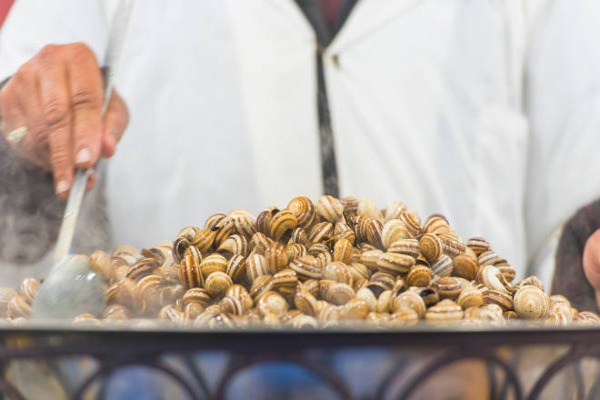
x=58 y=95
x=591 y=262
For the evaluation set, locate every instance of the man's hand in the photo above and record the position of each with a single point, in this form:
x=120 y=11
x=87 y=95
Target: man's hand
x=591 y=262
x=58 y=97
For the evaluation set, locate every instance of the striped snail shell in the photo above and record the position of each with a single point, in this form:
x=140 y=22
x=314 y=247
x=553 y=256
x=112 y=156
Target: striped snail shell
x=304 y=211
x=430 y=246
x=530 y=302
x=330 y=208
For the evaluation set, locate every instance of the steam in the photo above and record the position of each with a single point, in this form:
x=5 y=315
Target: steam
x=30 y=218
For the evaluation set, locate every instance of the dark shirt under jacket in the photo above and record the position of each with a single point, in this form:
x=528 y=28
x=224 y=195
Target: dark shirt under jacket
x=569 y=278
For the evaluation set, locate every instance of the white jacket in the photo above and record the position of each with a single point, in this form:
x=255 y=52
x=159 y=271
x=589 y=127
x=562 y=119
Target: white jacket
x=486 y=111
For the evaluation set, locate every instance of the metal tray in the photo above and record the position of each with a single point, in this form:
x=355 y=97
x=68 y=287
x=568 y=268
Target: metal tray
x=518 y=360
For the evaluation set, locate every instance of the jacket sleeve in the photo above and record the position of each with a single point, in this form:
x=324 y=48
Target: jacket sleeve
x=569 y=278
x=32 y=24
x=562 y=100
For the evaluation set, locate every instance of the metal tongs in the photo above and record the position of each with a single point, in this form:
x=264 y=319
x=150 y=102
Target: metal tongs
x=72 y=286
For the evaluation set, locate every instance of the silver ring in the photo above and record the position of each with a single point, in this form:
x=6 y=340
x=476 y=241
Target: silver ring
x=16 y=136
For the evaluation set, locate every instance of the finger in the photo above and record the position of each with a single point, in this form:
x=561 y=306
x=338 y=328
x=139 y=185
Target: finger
x=86 y=100
x=115 y=122
x=55 y=98
x=34 y=146
x=591 y=260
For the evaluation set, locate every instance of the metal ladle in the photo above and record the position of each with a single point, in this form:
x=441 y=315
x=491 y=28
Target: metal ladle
x=73 y=286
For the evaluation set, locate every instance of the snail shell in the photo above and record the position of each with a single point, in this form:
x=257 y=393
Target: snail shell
x=282 y=224
x=101 y=262
x=217 y=284
x=122 y=292
x=429 y=295
x=447 y=287
x=377 y=319
x=436 y=224
x=256 y=265
x=317 y=248
x=196 y=295
x=507 y=271
x=231 y=305
x=371 y=230
x=419 y=275
x=190 y=274
x=465 y=266
x=383 y=302
x=430 y=246
x=263 y=221
x=350 y=204
x=259 y=243
x=327 y=312
x=451 y=245
x=470 y=297
x=337 y=271
x=478 y=245
x=304 y=322
x=28 y=289
x=587 y=318
x=170 y=313
x=330 y=208
x=404 y=317
x=530 y=302
x=142 y=268
x=412 y=222
x=342 y=230
x=192 y=311
x=368 y=208
x=443 y=266
x=192 y=236
x=491 y=277
x=18 y=307
x=320 y=232
x=444 y=311
x=244 y=222
x=299 y=236
x=214 y=262
x=339 y=293
x=488 y=257
x=395 y=263
x=272 y=303
x=6 y=294
x=381 y=281
x=234 y=245
x=532 y=281
x=367 y=295
x=295 y=250
x=306 y=302
x=239 y=292
x=304 y=211
x=359 y=271
x=223 y=228
x=393 y=210
x=355 y=309
x=409 y=300
x=236 y=268
x=370 y=258
x=313 y=286
x=343 y=251
x=260 y=286
x=115 y=312
x=409 y=247
x=392 y=231
x=285 y=281
x=502 y=299
x=306 y=267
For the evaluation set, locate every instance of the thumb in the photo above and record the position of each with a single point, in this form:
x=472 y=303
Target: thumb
x=115 y=122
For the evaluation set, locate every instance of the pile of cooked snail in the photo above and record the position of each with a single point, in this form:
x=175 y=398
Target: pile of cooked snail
x=327 y=263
